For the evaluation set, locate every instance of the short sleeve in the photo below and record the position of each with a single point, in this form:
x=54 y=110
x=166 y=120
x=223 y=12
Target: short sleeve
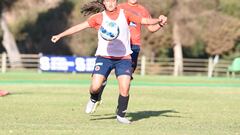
x=95 y=21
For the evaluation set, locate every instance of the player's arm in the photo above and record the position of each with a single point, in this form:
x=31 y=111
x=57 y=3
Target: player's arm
x=156 y=27
x=150 y=21
x=137 y=19
x=70 y=31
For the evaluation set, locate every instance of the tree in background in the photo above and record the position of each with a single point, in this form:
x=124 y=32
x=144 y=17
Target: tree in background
x=38 y=33
x=209 y=27
x=8 y=40
x=34 y=29
x=220 y=33
x=196 y=20
x=186 y=26
x=83 y=43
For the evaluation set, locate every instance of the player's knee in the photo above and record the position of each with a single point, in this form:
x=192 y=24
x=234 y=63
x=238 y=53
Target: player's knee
x=95 y=88
x=124 y=92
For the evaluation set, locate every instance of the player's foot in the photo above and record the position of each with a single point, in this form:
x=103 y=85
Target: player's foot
x=91 y=106
x=123 y=120
x=3 y=93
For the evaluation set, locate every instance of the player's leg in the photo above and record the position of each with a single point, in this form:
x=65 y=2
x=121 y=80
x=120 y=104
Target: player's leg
x=123 y=72
x=3 y=93
x=101 y=91
x=101 y=71
x=94 y=91
x=123 y=99
x=134 y=55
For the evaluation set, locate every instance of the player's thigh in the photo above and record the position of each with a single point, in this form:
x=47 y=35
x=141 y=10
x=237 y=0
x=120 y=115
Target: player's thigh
x=103 y=66
x=101 y=71
x=134 y=55
x=123 y=72
x=123 y=67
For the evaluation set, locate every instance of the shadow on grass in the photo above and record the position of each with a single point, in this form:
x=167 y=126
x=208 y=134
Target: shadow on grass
x=20 y=93
x=136 y=116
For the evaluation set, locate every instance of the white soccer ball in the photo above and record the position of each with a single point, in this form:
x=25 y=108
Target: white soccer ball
x=109 y=31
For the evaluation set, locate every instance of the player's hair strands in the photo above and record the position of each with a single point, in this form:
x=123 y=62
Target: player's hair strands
x=93 y=7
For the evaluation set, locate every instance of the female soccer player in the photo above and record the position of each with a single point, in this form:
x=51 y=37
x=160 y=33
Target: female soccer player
x=135 y=31
x=113 y=51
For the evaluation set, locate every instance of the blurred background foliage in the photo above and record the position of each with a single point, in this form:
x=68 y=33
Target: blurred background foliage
x=206 y=27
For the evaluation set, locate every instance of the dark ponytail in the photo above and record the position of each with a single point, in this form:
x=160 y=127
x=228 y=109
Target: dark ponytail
x=93 y=7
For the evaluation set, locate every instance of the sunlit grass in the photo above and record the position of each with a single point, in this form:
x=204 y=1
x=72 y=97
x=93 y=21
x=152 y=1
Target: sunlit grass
x=54 y=103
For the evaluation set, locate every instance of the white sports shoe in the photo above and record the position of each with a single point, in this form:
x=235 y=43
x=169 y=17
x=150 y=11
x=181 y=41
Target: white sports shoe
x=91 y=106
x=123 y=120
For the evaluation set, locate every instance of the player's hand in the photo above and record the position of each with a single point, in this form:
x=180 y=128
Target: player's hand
x=163 y=20
x=55 y=38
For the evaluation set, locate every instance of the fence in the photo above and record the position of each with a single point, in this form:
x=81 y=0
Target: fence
x=165 y=66
x=28 y=61
x=157 y=66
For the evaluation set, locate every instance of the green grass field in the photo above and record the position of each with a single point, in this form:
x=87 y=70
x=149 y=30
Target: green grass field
x=54 y=103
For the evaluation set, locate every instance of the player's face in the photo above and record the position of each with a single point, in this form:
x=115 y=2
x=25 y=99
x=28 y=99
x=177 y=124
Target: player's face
x=110 y=5
x=132 y=1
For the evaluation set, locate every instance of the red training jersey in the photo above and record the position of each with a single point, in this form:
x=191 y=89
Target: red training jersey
x=95 y=21
x=135 y=28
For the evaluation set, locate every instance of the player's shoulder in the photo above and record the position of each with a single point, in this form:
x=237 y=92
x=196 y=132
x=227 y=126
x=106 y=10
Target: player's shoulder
x=126 y=5
x=143 y=11
x=142 y=8
x=96 y=15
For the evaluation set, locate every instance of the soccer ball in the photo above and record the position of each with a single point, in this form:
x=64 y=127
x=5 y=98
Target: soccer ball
x=109 y=31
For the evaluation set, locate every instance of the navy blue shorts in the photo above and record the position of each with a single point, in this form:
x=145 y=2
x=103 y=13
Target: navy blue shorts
x=134 y=55
x=104 y=66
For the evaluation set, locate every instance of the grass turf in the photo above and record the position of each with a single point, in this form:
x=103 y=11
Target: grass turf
x=54 y=103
